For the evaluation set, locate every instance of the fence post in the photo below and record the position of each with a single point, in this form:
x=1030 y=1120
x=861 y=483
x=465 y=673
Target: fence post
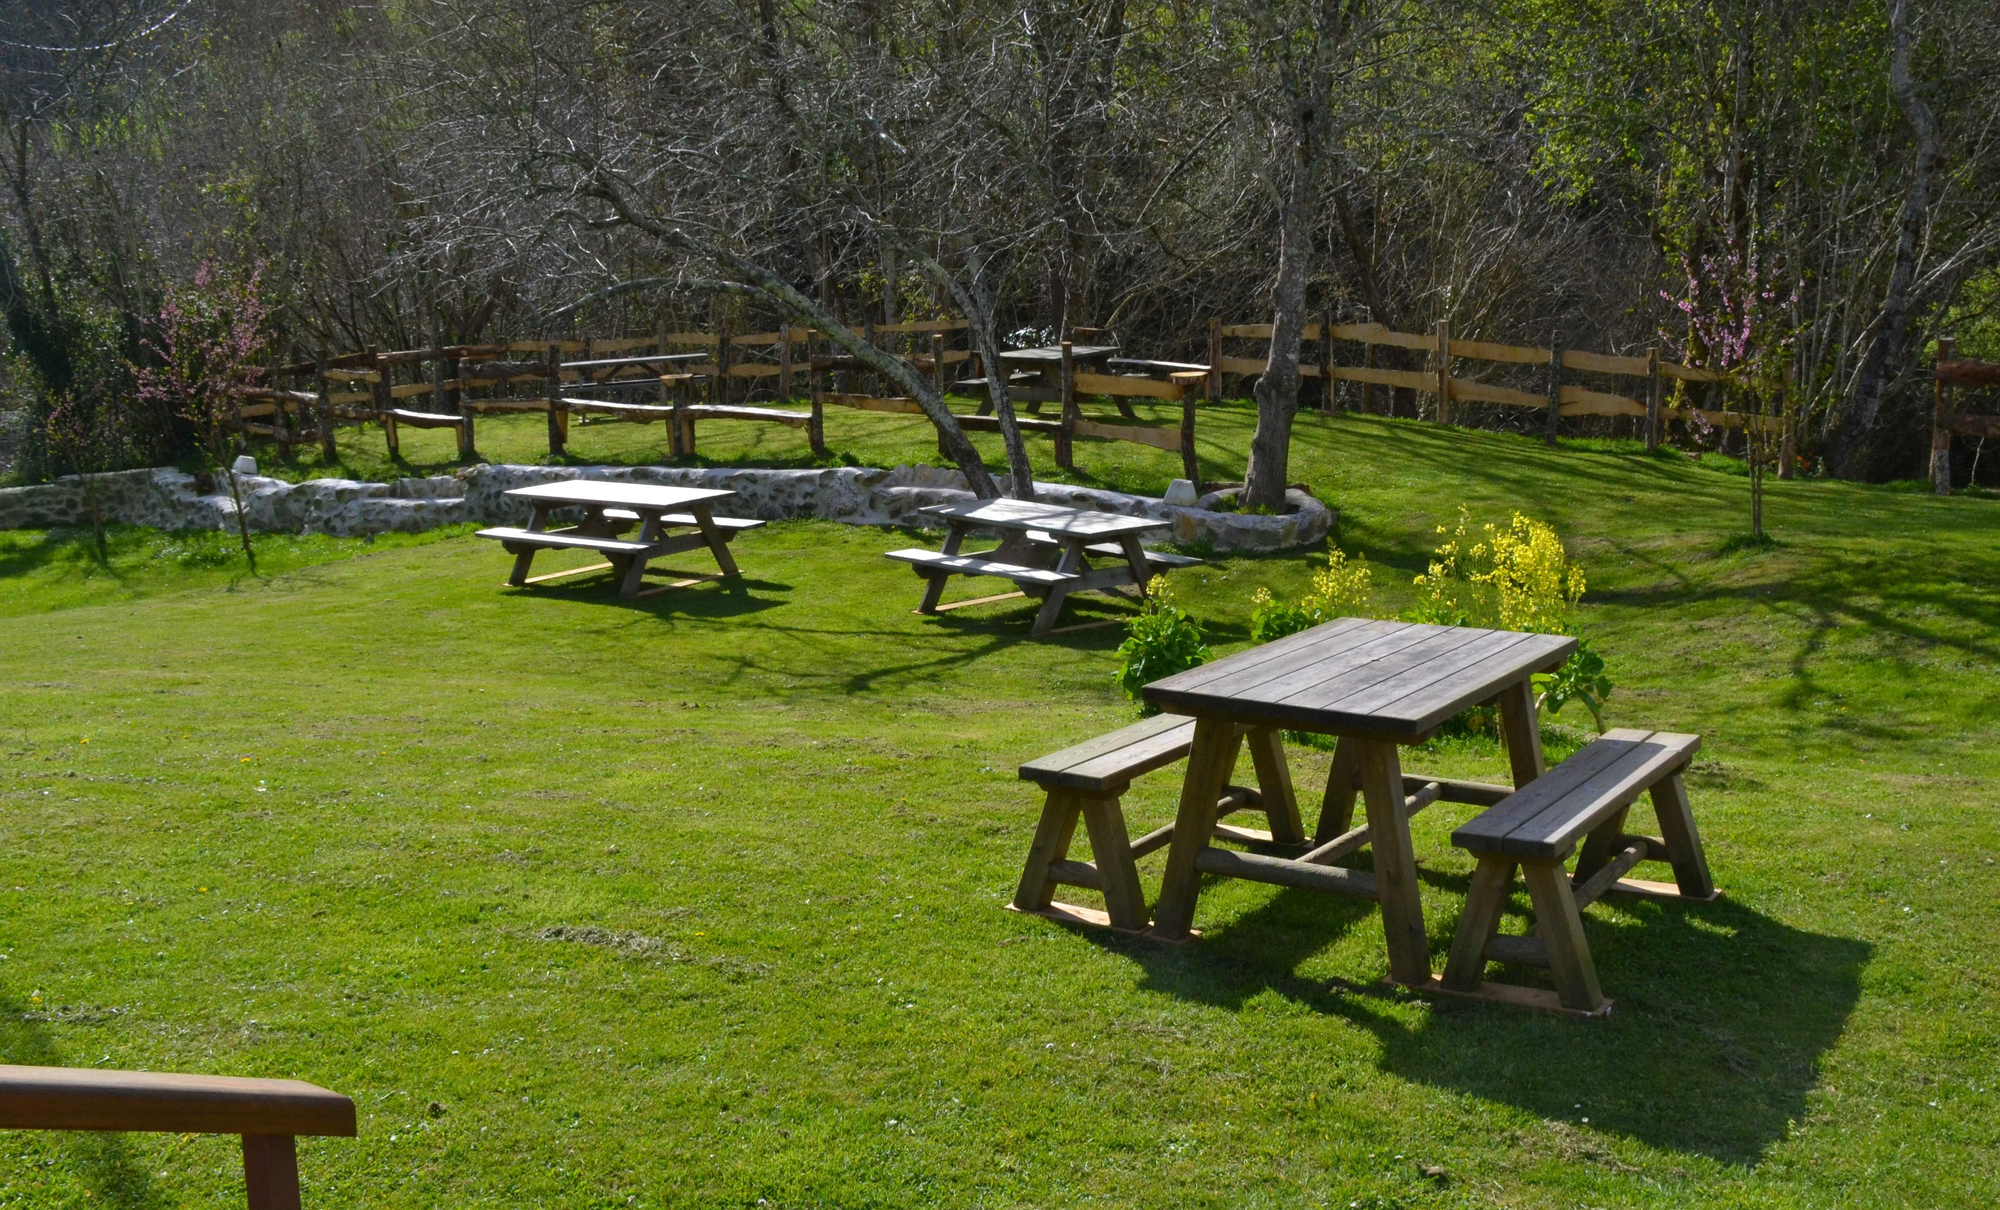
x=1065 y=455
x=1555 y=389
x=1214 y=360
x=558 y=418
x=324 y=406
x=718 y=391
x=1326 y=363
x=937 y=362
x=385 y=403
x=1444 y=371
x=1653 y=387
x=1368 y=363
x=785 y=362
x=1940 y=435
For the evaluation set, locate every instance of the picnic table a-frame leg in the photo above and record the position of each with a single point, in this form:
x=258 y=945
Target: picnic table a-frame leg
x=717 y=543
x=1073 y=562
x=538 y=520
x=934 y=585
x=1211 y=759
x=1396 y=885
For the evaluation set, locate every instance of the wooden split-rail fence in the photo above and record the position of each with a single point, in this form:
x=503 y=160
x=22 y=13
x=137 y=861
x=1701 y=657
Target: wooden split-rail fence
x=1446 y=354
x=690 y=377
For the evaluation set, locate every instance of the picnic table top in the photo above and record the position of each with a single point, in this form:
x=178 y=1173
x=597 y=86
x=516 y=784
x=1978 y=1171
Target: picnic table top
x=1053 y=353
x=618 y=495
x=1398 y=680
x=1054 y=518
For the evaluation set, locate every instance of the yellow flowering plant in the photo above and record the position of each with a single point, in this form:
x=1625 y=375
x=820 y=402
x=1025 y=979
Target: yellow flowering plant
x=1340 y=589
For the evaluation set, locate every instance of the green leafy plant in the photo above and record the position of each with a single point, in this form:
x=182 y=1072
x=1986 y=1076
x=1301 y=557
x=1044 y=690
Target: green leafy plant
x=1582 y=679
x=1339 y=589
x=1162 y=640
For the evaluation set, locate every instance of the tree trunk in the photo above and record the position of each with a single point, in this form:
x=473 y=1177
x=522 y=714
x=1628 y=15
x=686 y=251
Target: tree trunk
x=1885 y=353
x=1277 y=391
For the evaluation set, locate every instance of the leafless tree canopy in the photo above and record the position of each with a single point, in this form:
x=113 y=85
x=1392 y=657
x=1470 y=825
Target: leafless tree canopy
x=1529 y=172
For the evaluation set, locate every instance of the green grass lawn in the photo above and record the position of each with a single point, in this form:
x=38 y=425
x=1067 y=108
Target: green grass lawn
x=697 y=901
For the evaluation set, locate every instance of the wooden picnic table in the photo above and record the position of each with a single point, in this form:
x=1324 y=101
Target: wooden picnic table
x=1049 y=357
x=610 y=510
x=1377 y=686
x=1074 y=536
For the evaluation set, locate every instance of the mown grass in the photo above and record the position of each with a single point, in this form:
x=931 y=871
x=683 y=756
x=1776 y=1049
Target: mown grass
x=697 y=901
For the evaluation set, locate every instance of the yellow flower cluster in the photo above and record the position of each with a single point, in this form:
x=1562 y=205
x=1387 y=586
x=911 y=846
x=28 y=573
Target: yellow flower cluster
x=1341 y=588
x=1517 y=578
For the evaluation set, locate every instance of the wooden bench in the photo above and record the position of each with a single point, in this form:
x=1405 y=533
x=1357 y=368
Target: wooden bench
x=1586 y=798
x=973 y=565
x=1089 y=779
x=514 y=541
x=269 y=1114
x=1111 y=550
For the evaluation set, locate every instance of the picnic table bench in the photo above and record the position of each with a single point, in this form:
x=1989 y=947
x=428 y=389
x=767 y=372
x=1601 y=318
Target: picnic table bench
x=610 y=510
x=269 y=1114
x=1075 y=536
x=1586 y=798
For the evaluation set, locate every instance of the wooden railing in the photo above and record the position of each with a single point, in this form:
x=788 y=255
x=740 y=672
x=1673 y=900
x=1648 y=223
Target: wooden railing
x=1953 y=372
x=1443 y=351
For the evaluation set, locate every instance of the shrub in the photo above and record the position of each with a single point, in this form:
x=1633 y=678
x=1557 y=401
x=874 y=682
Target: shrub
x=1161 y=641
x=1517 y=578
x=1338 y=589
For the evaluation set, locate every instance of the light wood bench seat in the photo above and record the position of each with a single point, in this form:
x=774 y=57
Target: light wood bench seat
x=269 y=1114
x=423 y=420
x=1087 y=782
x=930 y=561
x=1111 y=550
x=728 y=526
x=559 y=539
x=1585 y=799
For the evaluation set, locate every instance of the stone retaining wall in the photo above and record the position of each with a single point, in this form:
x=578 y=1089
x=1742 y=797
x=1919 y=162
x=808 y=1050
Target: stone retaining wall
x=166 y=499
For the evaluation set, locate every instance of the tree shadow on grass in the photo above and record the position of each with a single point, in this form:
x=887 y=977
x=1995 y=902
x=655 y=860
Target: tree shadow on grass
x=1723 y=1015
x=108 y=1168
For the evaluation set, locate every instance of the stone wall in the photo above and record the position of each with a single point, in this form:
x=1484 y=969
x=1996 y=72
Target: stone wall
x=166 y=499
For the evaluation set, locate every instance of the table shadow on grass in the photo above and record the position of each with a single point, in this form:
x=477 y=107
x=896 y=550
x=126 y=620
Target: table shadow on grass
x=112 y=1175
x=1723 y=1015
x=730 y=596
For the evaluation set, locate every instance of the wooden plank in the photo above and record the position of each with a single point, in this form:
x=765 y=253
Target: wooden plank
x=347 y=397
x=1415 y=380
x=1691 y=373
x=1586 y=892
x=1123 y=385
x=1157 y=438
x=1680 y=841
x=875 y=403
x=1395 y=862
x=1251 y=366
x=1970 y=425
x=1485 y=832
x=1076 y=873
x=1517 y=951
x=409 y=389
x=926 y=325
x=1246 y=331
x=1665 y=891
x=998 y=596
x=64 y=1098
x=1321 y=640
x=1379 y=334
x=1331 y=880
x=1485 y=392
x=1512 y=995
x=931 y=561
x=1274 y=778
x=423 y=420
x=1553 y=831
x=1605 y=363
x=1359 y=678
x=1117 y=876
x=1106 y=763
x=1484 y=350
x=1071 y=914
x=1577 y=401
x=341 y=375
x=562 y=575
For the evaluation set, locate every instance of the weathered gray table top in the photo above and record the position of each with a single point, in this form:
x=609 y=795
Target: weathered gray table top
x=1397 y=680
x=1054 y=518
x=598 y=493
x=1053 y=353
